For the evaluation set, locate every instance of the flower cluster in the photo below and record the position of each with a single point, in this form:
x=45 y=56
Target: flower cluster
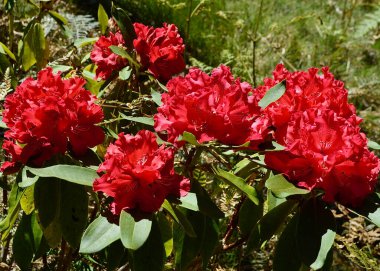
x=160 y=50
x=104 y=58
x=46 y=117
x=139 y=175
x=215 y=107
x=324 y=147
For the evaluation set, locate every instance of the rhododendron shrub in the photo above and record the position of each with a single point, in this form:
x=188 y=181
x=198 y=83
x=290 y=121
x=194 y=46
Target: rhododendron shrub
x=320 y=130
x=139 y=175
x=47 y=116
x=216 y=107
x=160 y=50
x=105 y=60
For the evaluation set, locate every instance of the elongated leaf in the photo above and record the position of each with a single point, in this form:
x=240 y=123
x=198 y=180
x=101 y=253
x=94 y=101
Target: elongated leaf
x=249 y=215
x=73 y=213
x=187 y=248
x=179 y=216
x=190 y=201
x=26 y=241
x=47 y=200
x=239 y=183
x=133 y=234
x=189 y=138
x=273 y=94
x=13 y=209
x=125 y=73
x=26 y=180
x=150 y=256
x=315 y=233
x=373 y=145
x=282 y=188
x=85 y=41
x=125 y=24
x=156 y=97
x=123 y=53
x=143 y=120
x=70 y=173
x=4 y=50
x=58 y=18
x=103 y=19
x=98 y=235
x=205 y=203
x=375 y=217
x=27 y=200
x=285 y=258
x=166 y=229
x=269 y=224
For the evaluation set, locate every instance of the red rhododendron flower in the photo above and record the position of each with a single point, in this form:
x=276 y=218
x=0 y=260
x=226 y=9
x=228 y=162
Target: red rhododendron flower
x=215 y=107
x=43 y=115
x=324 y=147
x=105 y=60
x=160 y=50
x=139 y=174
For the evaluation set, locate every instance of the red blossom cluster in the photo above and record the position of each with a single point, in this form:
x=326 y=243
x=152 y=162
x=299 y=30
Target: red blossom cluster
x=320 y=131
x=215 y=107
x=139 y=174
x=46 y=117
x=104 y=58
x=160 y=50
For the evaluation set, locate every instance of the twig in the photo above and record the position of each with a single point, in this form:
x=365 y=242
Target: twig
x=232 y=225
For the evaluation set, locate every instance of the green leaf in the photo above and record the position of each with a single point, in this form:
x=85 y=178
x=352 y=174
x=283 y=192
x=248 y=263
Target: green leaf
x=47 y=201
x=85 y=41
x=133 y=234
x=70 y=173
x=375 y=217
x=103 y=19
x=73 y=213
x=34 y=47
x=273 y=201
x=273 y=94
x=4 y=50
x=143 y=120
x=189 y=202
x=125 y=73
x=26 y=241
x=61 y=68
x=285 y=257
x=180 y=218
x=2 y=123
x=239 y=183
x=27 y=200
x=187 y=248
x=282 y=188
x=189 y=138
x=373 y=145
x=244 y=168
x=123 y=53
x=98 y=235
x=166 y=229
x=156 y=97
x=205 y=203
x=315 y=233
x=58 y=18
x=269 y=224
x=125 y=24
x=151 y=255
x=249 y=215
x=116 y=255
x=26 y=180
x=13 y=209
